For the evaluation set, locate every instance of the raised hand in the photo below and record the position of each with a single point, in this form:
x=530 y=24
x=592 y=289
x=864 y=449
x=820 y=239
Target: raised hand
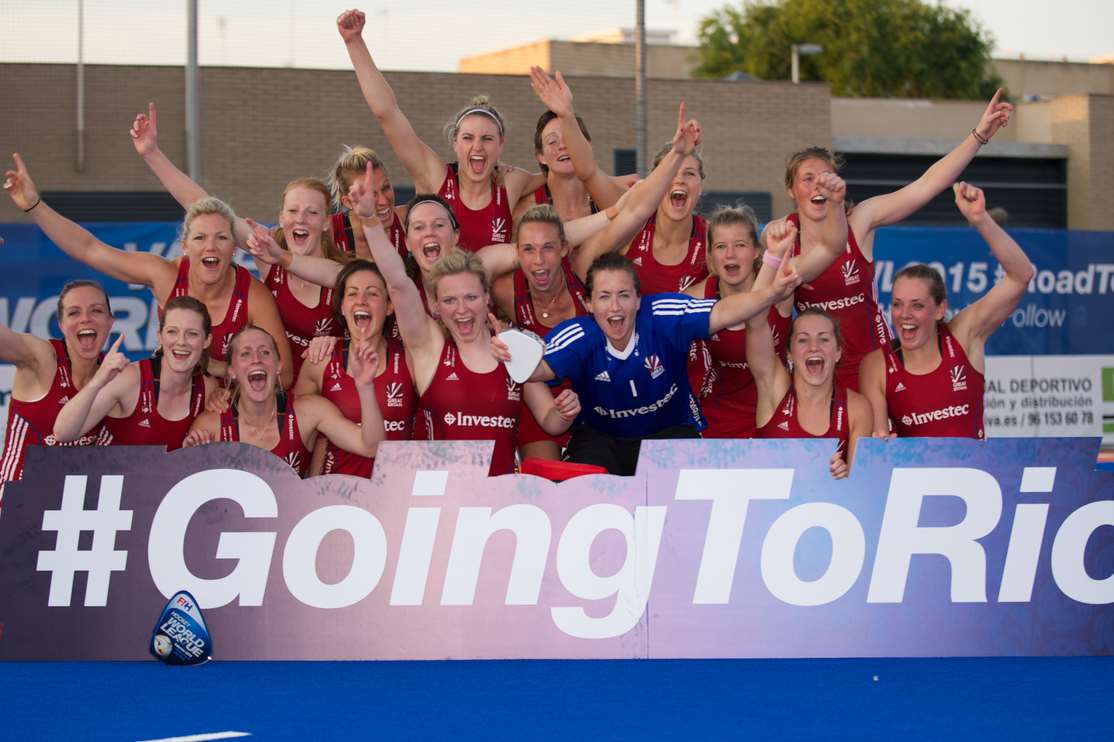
x=688 y=135
x=362 y=195
x=780 y=235
x=971 y=201
x=197 y=437
x=832 y=187
x=350 y=23
x=19 y=185
x=363 y=363
x=262 y=245
x=320 y=348
x=568 y=404
x=995 y=117
x=111 y=365
x=144 y=131
x=551 y=91
x=218 y=400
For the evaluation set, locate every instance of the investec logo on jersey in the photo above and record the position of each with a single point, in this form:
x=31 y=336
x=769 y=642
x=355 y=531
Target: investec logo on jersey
x=835 y=304
x=944 y=413
x=479 y=421
x=644 y=410
x=394 y=426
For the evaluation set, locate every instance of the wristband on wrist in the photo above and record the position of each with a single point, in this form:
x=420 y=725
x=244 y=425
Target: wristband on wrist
x=38 y=201
x=979 y=137
x=771 y=260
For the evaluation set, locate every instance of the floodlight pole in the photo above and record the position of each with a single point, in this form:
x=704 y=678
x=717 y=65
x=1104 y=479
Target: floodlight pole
x=640 y=87
x=795 y=58
x=193 y=119
x=80 y=164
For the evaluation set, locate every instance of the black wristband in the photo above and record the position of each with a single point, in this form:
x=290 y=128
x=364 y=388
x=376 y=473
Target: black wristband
x=979 y=137
x=38 y=201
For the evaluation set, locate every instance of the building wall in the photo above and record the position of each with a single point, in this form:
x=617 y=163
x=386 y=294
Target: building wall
x=1085 y=123
x=263 y=127
x=1026 y=77
x=908 y=118
x=582 y=58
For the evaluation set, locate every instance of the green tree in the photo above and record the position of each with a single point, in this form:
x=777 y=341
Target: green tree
x=872 y=48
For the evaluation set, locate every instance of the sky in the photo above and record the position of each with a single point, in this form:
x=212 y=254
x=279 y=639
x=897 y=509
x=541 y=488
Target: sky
x=435 y=34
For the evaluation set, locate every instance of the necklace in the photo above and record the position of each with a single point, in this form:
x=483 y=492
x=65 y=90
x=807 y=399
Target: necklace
x=545 y=310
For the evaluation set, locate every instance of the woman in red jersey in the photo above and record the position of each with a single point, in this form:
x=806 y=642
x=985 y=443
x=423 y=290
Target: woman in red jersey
x=361 y=305
x=348 y=231
x=668 y=252
x=846 y=289
x=49 y=372
x=262 y=415
x=153 y=401
x=804 y=401
x=930 y=381
x=204 y=271
x=480 y=195
x=303 y=227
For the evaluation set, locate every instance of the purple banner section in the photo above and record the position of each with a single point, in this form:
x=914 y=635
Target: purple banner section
x=715 y=549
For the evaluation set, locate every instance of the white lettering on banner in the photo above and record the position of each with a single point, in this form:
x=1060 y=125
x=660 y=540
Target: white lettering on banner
x=730 y=492
x=1095 y=279
x=252 y=551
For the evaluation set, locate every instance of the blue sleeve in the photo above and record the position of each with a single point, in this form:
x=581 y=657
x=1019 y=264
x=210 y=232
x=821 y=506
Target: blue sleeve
x=567 y=349
x=679 y=319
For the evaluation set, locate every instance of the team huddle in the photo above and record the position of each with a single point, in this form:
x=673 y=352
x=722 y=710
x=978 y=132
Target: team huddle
x=376 y=321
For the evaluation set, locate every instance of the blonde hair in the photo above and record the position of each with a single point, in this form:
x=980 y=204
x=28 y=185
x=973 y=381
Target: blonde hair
x=351 y=164
x=668 y=147
x=541 y=214
x=730 y=215
x=328 y=244
x=480 y=106
x=457 y=261
x=204 y=207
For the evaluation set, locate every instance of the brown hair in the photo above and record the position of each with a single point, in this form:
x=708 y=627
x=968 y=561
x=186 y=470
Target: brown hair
x=930 y=276
x=351 y=164
x=190 y=304
x=818 y=312
x=810 y=153
x=79 y=283
x=541 y=214
x=480 y=106
x=730 y=215
x=668 y=147
x=543 y=121
x=328 y=244
x=357 y=265
x=611 y=261
x=457 y=261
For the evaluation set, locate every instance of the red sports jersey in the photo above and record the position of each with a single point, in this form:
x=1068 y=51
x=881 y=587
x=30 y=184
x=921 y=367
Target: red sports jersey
x=947 y=402
x=234 y=319
x=784 y=422
x=289 y=448
x=488 y=226
x=346 y=240
x=728 y=395
x=301 y=323
x=461 y=405
x=846 y=291
x=32 y=423
x=145 y=426
x=655 y=278
x=525 y=316
x=394 y=389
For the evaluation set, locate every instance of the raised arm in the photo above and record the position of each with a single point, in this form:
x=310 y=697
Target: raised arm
x=145 y=139
x=771 y=379
x=423 y=164
x=262 y=246
x=738 y=308
x=642 y=200
x=416 y=327
x=557 y=97
x=78 y=243
x=25 y=351
x=976 y=322
x=890 y=208
x=97 y=398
